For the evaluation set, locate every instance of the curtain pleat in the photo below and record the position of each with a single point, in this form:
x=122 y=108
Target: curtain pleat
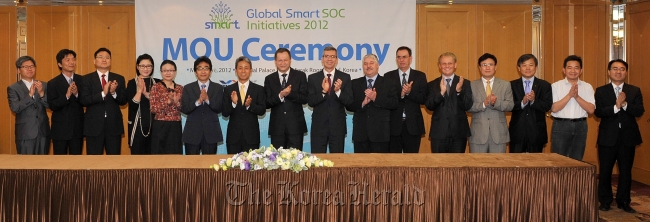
x=332 y=194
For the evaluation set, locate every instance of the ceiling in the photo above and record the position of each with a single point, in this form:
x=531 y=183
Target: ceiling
x=66 y=2
x=132 y=2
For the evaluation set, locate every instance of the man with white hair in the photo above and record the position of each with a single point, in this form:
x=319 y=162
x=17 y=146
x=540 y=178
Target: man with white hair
x=373 y=98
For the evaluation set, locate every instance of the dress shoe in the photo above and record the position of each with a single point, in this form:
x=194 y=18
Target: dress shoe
x=626 y=208
x=604 y=207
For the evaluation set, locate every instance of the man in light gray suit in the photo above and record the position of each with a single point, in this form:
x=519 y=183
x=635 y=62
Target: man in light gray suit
x=28 y=100
x=492 y=98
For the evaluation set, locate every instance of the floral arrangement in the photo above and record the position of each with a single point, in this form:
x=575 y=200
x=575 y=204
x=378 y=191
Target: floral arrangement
x=269 y=158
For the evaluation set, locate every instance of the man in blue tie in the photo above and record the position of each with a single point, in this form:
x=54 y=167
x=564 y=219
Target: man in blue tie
x=202 y=101
x=618 y=104
x=373 y=98
x=532 y=98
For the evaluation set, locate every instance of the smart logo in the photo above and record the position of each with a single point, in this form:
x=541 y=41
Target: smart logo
x=221 y=18
x=228 y=82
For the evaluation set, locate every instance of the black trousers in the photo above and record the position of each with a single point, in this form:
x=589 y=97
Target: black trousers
x=203 y=147
x=526 y=147
x=288 y=141
x=72 y=146
x=241 y=145
x=166 y=137
x=449 y=145
x=95 y=144
x=141 y=144
x=368 y=146
x=405 y=142
x=319 y=143
x=607 y=157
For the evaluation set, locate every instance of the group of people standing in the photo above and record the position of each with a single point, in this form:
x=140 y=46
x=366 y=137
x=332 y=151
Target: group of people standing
x=387 y=115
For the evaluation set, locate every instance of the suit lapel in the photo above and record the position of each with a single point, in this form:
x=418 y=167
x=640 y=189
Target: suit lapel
x=519 y=88
x=23 y=87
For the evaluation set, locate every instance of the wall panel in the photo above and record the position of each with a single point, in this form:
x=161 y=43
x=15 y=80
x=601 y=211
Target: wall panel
x=638 y=36
x=8 y=55
x=580 y=28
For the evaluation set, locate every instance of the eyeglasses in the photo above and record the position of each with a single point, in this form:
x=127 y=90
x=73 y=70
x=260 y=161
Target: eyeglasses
x=168 y=71
x=202 y=68
x=487 y=64
x=329 y=56
x=28 y=67
x=145 y=66
x=101 y=57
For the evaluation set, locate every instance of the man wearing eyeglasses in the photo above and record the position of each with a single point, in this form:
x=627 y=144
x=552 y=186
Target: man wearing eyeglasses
x=329 y=92
x=286 y=92
x=28 y=100
x=202 y=101
x=67 y=111
x=492 y=99
x=618 y=104
x=102 y=93
x=406 y=122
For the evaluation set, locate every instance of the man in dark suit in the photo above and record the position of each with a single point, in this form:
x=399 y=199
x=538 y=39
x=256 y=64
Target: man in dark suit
x=102 y=93
x=67 y=111
x=449 y=97
x=406 y=122
x=28 y=100
x=286 y=92
x=243 y=103
x=374 y=98
x=532 y=98
x=330 y=90
x=202 y=101
x=618 y=104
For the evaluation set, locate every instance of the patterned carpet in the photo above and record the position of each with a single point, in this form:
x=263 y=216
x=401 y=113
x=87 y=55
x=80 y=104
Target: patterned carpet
x=640 y=202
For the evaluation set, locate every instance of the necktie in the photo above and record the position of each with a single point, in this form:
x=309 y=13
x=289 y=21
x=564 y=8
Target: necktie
x=448 y=86
x=202 y=86
x=527 y=89
x=488 y=89
x=103 y=80
x=618 y=91
x=70 y=81
x=284 y=80
x=403 y=79
x=242 y=94
x=329 y=80
x=370 y=84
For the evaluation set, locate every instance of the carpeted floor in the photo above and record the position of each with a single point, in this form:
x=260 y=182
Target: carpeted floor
x=640 y=202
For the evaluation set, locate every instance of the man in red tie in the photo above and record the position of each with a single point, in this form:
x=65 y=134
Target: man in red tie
x=330 y=90
x=102 y=93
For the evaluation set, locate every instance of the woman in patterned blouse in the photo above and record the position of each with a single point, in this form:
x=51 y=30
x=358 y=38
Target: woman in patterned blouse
x=166 y=106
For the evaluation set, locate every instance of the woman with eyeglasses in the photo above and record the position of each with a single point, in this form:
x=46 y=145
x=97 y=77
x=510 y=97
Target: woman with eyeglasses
x=166 y=106
x=138 y=92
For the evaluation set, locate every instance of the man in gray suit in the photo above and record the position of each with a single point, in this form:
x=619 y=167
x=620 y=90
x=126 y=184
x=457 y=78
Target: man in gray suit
x=27 y=99
x=492 y=98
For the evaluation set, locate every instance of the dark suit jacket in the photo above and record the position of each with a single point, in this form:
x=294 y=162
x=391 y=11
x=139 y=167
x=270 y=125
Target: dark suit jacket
x=202 y=120
x=244 y=121
x=30 y=112
x=289 y=114
x=67 y=114
x=530 y=121
x=329 y=109
x=97 y=107
x=449 y=117
x=372 y=121
x=410 y=104
x=608 y=130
